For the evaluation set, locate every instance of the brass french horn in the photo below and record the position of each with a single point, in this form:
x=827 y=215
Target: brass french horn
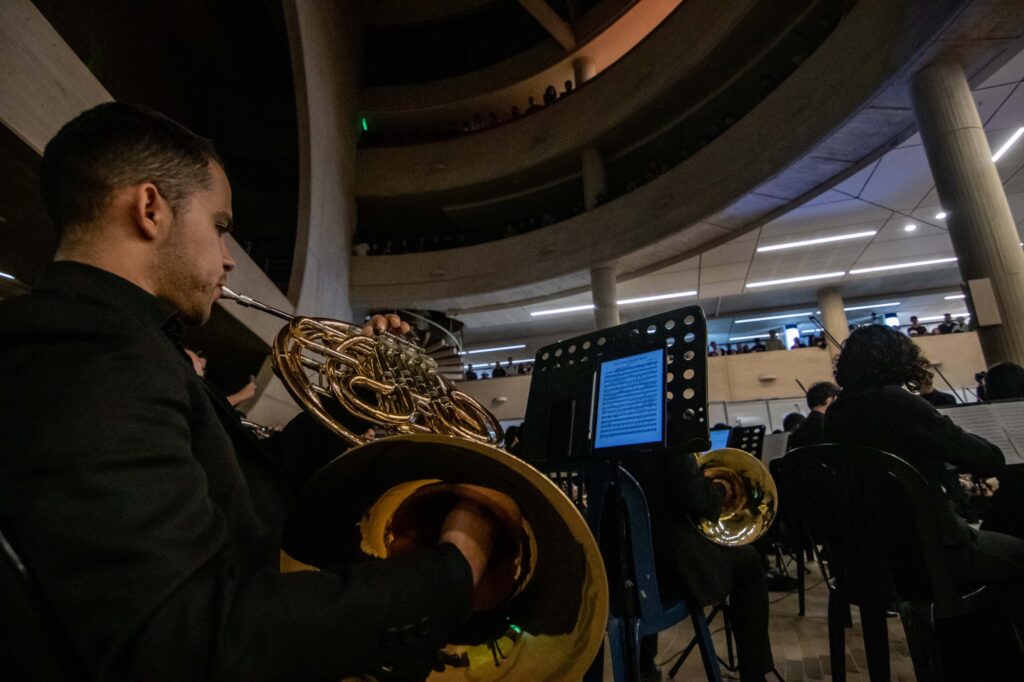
x=756 y=513
x=436 y=437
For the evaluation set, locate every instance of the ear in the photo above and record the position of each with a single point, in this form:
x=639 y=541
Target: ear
x=151 y=215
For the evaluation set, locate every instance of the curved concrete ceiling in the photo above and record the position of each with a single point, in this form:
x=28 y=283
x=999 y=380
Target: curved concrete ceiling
x=845 y=106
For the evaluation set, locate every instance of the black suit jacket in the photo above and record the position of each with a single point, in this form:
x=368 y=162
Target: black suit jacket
x=891 y=419
x=687 y=563
x=152 y=518
x=810 y=432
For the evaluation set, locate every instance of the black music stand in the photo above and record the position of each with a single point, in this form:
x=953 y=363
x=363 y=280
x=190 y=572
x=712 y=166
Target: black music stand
x=559 y=428
x=748 y=438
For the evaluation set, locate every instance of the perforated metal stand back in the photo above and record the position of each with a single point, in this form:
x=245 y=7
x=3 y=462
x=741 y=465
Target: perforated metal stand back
x=559 y=411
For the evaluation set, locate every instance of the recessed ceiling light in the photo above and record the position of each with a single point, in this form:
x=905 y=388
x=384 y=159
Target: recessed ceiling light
x=556 y=311
x=492 y=350
x=7 y=276
x=1009 y=143
x=774 y=317
x=658 y=297
x=915 y=264
x=788 y=280
x=955 y=297
x=941 y=215
x=909 y=227
x=820 y=240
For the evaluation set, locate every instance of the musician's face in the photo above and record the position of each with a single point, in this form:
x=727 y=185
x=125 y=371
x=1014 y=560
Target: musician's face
x=194 y=260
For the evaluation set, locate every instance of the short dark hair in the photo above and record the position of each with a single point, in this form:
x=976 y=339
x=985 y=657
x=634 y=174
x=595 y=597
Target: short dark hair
x=792 y=420
x=117 y=145
x=819 y=393
x=877 y=355
x=1004 y=380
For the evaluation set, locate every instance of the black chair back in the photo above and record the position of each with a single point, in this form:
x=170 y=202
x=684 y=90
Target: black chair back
x=875 y=516
x=33 y=647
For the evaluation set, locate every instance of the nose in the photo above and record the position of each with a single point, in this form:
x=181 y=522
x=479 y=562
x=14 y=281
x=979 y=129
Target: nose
x=226 y=259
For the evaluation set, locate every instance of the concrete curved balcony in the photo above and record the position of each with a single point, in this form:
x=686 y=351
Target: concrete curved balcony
x=548 y=141
x=845 y=105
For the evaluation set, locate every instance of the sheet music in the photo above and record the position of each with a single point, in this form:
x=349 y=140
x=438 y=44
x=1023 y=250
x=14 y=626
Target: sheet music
x=774 y=446
x=984 y=421
x=1011 y=415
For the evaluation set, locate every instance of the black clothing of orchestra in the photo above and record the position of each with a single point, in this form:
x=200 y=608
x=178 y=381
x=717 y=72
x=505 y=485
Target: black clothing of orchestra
x=691 y=566
x=890 y=418
x=152 y=518
x=810 y=432
x=939 y=398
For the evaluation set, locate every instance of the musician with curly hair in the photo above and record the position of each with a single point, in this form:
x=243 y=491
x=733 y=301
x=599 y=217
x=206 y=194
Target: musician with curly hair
x=875 y=368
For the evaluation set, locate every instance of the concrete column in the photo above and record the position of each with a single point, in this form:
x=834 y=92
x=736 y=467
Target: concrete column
x=833 y=316
x=980 y=223
x=583 y=69
x=606 y=306
x=594 y=181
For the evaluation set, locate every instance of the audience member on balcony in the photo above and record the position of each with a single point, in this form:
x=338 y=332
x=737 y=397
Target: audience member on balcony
x=960 y=325
x=515 y=112
x=936 y=397
x=510 y=367
x=568 y=89
x=797 y=343
x=947 y=326
x=550 y=95
x=774 y=342
x=360 y=248
x=916 y=328
x=470 y=374
x=531 y=105
x=498 y=371
x=713 y=350
x=812 y=431
x=874 y=410
x=759 y=347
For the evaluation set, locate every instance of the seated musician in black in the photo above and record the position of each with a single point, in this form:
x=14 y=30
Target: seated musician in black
x=691 y=566
x=876 y=410
x=812 y=431
x=150 y=519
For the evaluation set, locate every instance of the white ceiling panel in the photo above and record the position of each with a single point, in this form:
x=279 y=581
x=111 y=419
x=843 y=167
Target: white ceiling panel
x=827 y=219
x=723 y=273
x=732 y=252
x=902 y=180
x=855 y=183
x=990 y=101
x=715 y=289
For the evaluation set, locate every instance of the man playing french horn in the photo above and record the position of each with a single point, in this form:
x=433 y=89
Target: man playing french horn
x=149 y=517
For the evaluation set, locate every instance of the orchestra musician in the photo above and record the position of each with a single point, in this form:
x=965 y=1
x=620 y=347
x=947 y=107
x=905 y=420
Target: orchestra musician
x=148 y=515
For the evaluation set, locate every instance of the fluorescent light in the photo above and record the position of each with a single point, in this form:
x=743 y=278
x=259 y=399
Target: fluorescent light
x=816 y=330
x=556 y=311
x=909 y=227
x=748 y=338
x=627 y=301
x=933 y=318
x=7 y=276
x=1009 y=143
x=915 y=264
x=788 y=280
x=491 y=350
x=941 y=215
x=659 y=297
x=774 y=317
x=872 y=307
x=820 y=240
x=955 y=297
x=484 y=365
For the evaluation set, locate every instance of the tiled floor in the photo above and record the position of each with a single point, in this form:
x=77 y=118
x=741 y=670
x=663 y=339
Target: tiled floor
x=799 y=644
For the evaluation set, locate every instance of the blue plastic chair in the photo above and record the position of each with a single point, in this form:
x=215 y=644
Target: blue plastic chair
x=624 y=633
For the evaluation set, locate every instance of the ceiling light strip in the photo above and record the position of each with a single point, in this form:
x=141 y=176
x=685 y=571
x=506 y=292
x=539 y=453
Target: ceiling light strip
x=626 y=301
x=789 y=280
x=1009 y=143
x=819 y=240
x=871 y=307
x=899 y=266
x=492 y=350
x=774 y=317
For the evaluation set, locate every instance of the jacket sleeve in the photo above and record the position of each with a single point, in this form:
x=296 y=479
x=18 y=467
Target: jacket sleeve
x=940 y=437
